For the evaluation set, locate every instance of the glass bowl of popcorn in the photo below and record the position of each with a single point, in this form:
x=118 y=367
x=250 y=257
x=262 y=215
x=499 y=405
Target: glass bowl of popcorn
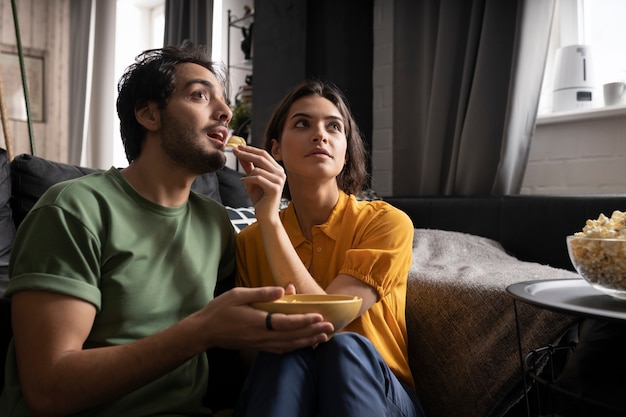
x=598 y=253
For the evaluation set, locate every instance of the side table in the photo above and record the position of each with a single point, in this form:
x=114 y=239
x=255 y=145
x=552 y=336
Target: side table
x=566 y=296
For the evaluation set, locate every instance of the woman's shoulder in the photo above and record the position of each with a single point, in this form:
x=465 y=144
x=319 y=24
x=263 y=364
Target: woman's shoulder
x=249 y=232
x=379 y=209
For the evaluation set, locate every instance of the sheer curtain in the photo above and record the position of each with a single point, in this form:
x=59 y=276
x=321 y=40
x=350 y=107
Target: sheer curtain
x=92 y=104
x=92 y=70
x=81 y=16
x=467 y=78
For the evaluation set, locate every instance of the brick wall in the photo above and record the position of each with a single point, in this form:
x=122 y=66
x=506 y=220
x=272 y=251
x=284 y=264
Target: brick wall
x=382 y=131
x=584 y=156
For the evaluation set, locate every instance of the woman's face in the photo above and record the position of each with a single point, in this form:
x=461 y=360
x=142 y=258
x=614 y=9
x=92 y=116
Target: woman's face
x=313 y=143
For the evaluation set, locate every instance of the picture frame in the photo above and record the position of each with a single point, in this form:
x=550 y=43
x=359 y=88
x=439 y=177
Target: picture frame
x=11 y=74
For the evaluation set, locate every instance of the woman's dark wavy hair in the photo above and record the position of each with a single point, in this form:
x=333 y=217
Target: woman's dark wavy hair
x=354 y=174
x=152 y=78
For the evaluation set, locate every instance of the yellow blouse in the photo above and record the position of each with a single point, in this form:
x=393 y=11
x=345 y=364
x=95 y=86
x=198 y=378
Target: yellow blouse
x=369 y=240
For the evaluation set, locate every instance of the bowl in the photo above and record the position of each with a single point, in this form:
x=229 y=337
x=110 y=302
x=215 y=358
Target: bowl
x=601 y=262
x=340 y=310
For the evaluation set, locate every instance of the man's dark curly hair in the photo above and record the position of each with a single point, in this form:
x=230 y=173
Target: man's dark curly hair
x=354 y=174
x=152 y=78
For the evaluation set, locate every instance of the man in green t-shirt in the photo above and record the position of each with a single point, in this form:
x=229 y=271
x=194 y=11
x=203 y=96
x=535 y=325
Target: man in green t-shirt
x=112 y=275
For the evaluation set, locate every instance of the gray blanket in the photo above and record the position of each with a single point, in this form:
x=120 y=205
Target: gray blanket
x=462 y=331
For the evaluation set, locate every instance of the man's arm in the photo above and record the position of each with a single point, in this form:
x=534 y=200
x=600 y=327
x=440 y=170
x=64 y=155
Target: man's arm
x=59 y=377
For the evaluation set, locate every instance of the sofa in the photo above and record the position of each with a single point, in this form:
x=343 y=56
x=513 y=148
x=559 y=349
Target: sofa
x=462 y=327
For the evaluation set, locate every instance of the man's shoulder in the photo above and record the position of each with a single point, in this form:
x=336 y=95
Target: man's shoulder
x=78 y=188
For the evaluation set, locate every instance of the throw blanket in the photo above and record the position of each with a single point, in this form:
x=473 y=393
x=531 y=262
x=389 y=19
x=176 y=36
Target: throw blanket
x=462 y=335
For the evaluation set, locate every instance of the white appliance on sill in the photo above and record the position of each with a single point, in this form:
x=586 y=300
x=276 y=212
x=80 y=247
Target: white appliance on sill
x=574 y=83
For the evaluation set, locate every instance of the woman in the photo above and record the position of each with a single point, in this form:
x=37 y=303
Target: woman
x=326 y=241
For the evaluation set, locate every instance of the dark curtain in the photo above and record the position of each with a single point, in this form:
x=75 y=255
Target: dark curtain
x=326 y=39
x=466 y=84
x=188 y=20
x=334 y=53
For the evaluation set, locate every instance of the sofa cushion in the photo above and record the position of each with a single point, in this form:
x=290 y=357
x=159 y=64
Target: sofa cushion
x=232 y=191
x=241 y=217
x=31 y=176
x=207 y=184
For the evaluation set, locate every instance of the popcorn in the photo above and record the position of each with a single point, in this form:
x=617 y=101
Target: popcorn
x=615 y=227
x=602 y=260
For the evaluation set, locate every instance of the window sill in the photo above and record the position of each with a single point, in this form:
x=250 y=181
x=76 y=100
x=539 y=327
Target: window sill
x=582 y=115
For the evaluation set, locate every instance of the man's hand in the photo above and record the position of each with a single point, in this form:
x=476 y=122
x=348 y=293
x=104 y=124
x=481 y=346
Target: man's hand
x=235 y=324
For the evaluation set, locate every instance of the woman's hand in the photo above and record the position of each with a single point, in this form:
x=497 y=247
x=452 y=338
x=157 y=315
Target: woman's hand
x=264 y=181
x=290 y=289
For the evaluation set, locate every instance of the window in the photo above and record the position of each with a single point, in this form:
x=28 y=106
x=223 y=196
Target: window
x=140 y=25
x=600 y=26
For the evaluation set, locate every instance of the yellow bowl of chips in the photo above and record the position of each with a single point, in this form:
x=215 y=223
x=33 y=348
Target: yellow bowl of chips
x=340 y=310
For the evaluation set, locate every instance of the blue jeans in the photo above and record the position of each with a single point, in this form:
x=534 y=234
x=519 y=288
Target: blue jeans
x=345 y=376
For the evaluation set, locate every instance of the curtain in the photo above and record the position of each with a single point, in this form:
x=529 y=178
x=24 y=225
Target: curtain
x=102 y=111
x=81 y=16
x=92 y=106
x=189 y=20
x=92 y=57
x=466 y=84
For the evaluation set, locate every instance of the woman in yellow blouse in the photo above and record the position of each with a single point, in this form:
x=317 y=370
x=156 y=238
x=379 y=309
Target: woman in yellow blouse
x=326 y=241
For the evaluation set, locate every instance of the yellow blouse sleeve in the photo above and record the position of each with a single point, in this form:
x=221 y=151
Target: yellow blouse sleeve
x=253 y=270
x=382 y=256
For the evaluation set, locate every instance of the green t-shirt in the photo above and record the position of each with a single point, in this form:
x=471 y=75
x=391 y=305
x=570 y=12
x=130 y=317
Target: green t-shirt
x=143 y=266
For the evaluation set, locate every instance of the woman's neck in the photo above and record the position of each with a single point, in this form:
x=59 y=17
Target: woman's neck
x=313 y=207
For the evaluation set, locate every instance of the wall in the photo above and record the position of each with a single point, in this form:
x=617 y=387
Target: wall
x=578 y=156
x=382 y=78
x=44 y=31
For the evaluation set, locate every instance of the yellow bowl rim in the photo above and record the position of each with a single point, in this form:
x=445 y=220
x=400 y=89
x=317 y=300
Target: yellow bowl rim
x=333 y=299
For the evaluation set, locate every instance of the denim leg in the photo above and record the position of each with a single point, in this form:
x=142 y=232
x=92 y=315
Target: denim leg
x=354 y=380
x=280 y=386
x=345 y=377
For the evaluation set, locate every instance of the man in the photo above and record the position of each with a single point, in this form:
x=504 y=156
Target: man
x=112 y=275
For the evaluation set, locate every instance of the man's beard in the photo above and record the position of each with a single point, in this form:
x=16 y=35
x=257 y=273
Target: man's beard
x=181 y=143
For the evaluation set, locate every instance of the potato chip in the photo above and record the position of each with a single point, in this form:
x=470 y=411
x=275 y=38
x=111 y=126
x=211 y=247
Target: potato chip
x=235 y=141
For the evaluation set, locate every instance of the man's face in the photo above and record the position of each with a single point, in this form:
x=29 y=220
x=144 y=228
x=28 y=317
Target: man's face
x=193 y=125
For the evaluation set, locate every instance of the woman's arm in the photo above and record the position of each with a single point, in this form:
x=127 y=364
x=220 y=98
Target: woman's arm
x=264 y=182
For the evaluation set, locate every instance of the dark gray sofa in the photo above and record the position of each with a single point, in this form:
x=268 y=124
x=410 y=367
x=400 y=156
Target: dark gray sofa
x=530 y=228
